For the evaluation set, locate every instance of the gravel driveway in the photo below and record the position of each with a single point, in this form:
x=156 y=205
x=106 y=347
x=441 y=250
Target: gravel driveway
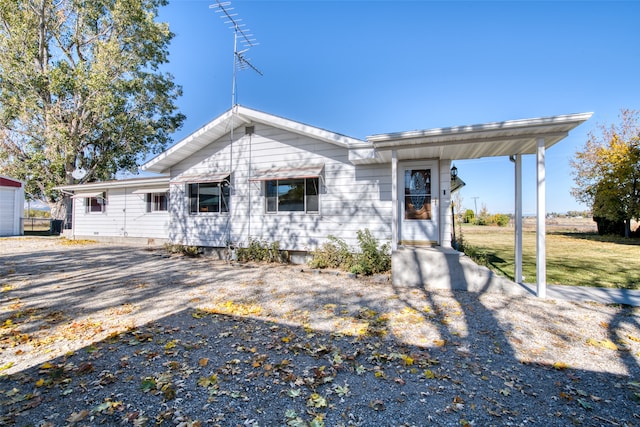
x=99 y=334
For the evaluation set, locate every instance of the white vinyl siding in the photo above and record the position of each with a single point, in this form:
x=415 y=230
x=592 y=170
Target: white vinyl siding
x=351 y=197
x=11 y=209
x=125 y=215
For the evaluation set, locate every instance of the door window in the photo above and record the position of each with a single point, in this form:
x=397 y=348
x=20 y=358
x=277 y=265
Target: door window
x=417 y=194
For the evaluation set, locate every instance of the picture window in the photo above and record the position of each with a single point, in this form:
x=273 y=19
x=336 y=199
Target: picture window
x=292 y=195
x=209 y=197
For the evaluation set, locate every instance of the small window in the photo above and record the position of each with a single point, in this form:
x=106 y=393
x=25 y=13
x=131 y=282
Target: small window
x=95 y=204
x=212 y=197
x=157 y=202
x=292 y=195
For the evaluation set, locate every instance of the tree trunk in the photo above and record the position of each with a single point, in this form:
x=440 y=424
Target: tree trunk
x=627 y=228
x=59 y=209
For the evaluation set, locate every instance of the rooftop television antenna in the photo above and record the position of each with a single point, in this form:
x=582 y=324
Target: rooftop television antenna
x=243 y=40
x=241 y=36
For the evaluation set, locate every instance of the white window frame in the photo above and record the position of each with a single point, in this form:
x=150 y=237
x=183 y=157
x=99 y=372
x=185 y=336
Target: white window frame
x=99 y=201
x=153 y=205
x=224 y=193
x=306 y=197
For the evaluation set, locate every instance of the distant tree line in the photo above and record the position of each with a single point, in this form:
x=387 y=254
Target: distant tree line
x=37 y=213
x=501 y=220
x=485 y=218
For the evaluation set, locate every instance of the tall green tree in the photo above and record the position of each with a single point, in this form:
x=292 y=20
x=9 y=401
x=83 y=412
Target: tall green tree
x=81 y=86
x=607 y=170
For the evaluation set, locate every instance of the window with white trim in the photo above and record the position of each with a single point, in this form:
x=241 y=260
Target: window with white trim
x=157 y=202
x=95 y=204
x=209 y=197
x=292 y=195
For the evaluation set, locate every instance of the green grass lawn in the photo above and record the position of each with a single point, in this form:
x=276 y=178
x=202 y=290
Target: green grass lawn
x=576 y=259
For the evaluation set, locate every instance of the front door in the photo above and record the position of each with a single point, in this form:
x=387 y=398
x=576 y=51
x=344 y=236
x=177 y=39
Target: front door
x=418 y=203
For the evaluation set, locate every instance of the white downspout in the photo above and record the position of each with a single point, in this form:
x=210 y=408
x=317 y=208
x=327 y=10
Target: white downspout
x=394 y=200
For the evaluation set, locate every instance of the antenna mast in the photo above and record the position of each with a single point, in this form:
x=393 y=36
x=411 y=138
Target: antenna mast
x=242 y=36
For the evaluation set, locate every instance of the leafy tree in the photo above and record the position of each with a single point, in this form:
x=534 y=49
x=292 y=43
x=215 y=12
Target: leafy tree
x=469 y=216
x=81 y=87
x=607 y=171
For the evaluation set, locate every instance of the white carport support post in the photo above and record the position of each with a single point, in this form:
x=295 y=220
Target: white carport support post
x=541 y=255
x=394 y=200
x=518 y=218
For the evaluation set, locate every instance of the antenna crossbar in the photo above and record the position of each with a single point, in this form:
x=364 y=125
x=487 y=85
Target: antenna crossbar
x=240 y=33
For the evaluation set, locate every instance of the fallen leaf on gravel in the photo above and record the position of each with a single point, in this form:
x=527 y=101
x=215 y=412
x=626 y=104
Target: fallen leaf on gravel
x=108 y=407
x=318 y=421
x=585 y=404
x=6 y=366
x=85 y=368
x=317 y=401
x=341 y=390
x=77 y=416
x=560 y=366
x=608 y=344
x=294 y=392
x=293 y=420
x=148 y=384
x=408 y=360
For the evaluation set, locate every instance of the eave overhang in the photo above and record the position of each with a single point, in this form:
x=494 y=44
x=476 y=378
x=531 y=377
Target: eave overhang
x=156 y=182
x=471 y=142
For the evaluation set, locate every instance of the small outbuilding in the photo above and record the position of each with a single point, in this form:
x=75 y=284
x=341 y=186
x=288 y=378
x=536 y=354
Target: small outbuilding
x=11 y=206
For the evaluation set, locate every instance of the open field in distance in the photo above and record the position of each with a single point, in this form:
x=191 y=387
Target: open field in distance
x=576 y=255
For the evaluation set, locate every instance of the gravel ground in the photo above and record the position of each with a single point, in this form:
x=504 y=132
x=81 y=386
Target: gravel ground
x=99 y=334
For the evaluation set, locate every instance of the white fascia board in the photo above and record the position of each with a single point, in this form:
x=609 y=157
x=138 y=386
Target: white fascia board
x=299 y=128
x=471 y=131
x=187 y=146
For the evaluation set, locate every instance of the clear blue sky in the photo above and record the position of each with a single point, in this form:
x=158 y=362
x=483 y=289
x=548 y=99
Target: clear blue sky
x=366 y=67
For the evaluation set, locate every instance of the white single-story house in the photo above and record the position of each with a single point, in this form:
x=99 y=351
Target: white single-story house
x=11 y=206
x=253 y=175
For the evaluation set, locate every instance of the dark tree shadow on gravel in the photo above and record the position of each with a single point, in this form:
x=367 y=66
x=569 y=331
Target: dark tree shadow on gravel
x=628 y=316
x=188 y=365
x=553 y=395
x=69 y=287
x=216 y=369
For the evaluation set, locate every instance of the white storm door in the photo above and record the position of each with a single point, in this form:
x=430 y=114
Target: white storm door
x=418 y=202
